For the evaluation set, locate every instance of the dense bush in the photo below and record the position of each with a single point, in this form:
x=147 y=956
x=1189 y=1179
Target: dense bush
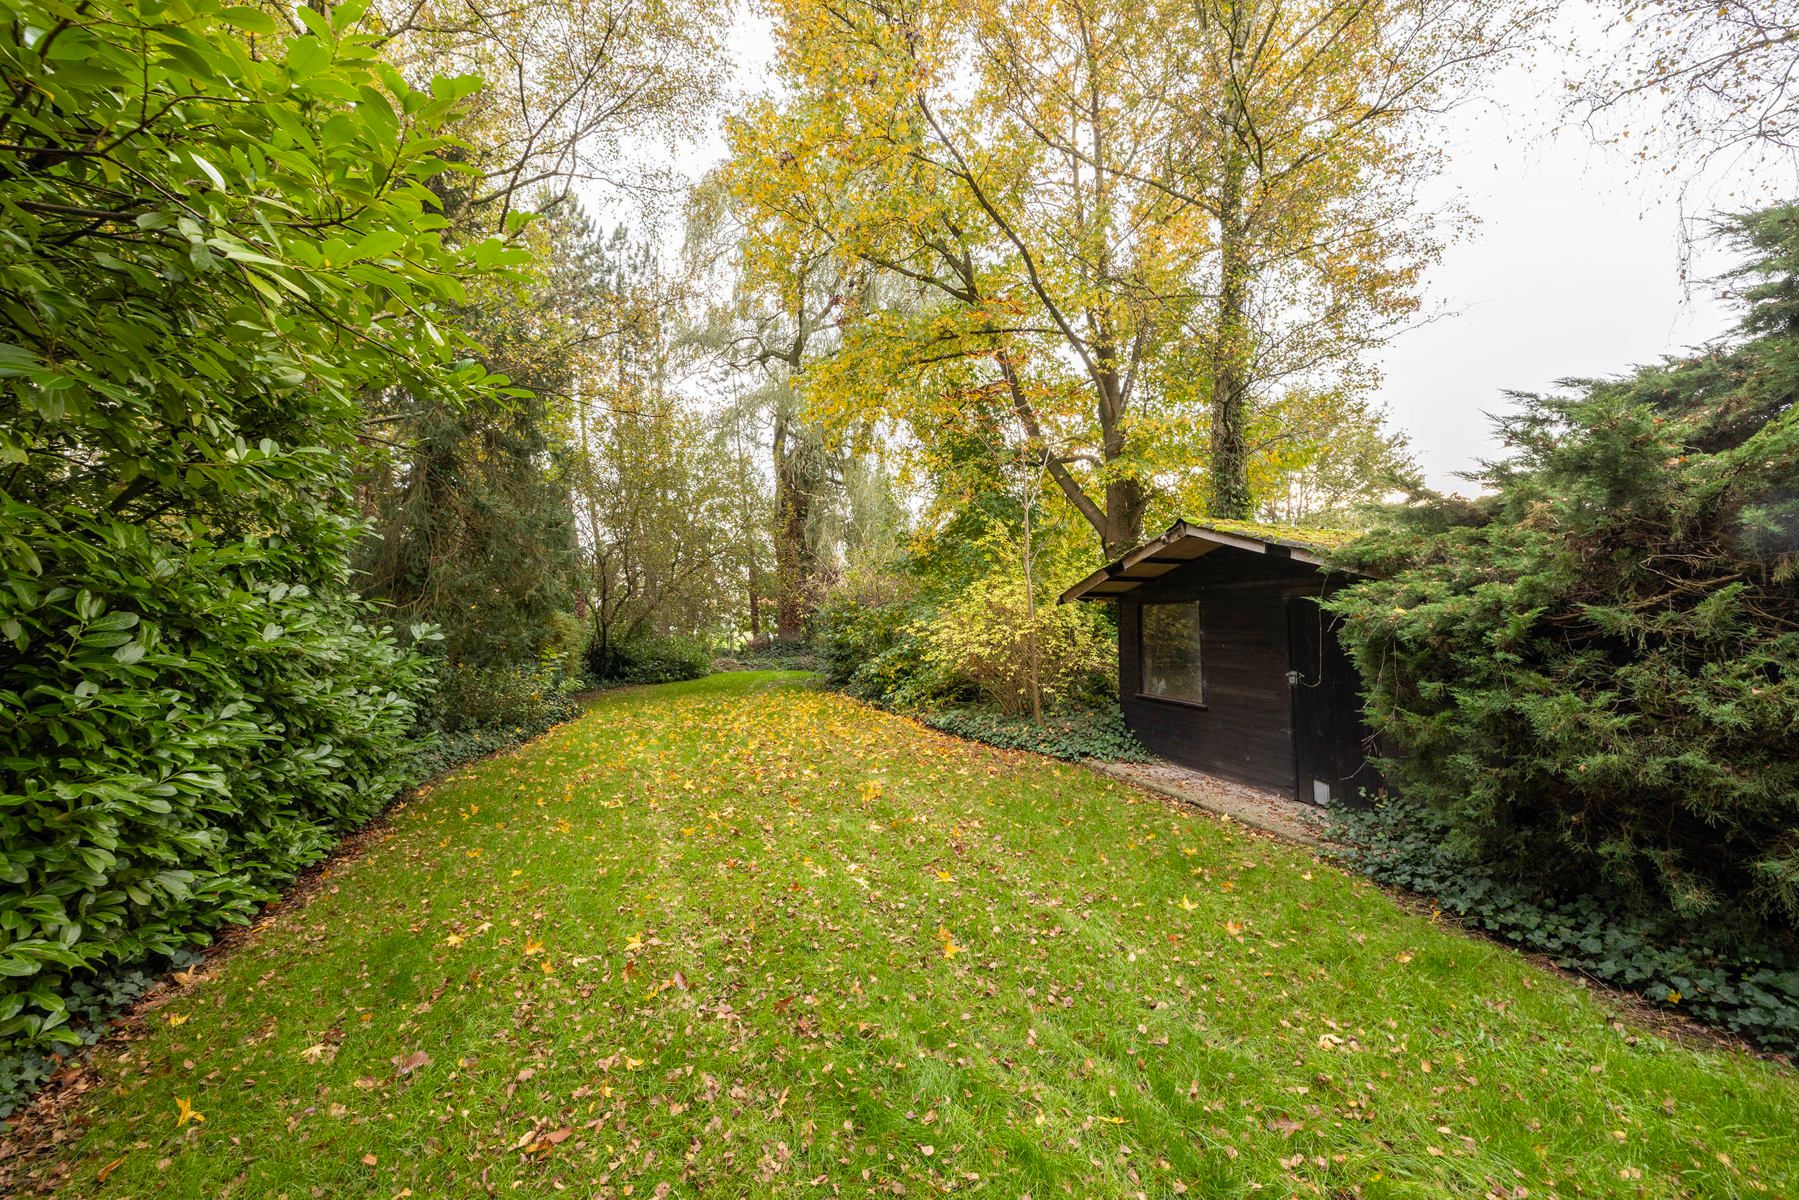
x=439 y=752
x=878 y=652
x=649 y=659
x=1071 y=734
x=502 y=698
x=211 y=253
x=188 y=726
x=992 y=637
x=1591 y=675
x=1749 y=986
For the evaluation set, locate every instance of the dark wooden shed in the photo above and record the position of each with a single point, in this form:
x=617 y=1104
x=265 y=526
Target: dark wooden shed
x=1227 y=663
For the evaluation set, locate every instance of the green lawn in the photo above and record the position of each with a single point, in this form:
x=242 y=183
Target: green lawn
x=742 y=937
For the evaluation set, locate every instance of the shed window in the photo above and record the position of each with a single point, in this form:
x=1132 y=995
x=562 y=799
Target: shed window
x=1168 y=639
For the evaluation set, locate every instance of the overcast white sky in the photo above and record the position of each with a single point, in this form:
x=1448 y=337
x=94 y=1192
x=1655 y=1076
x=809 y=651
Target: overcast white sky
x=1574 y=270
x=1575 y=267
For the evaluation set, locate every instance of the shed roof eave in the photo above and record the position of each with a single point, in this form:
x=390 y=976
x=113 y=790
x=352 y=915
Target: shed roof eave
x=1182 y=543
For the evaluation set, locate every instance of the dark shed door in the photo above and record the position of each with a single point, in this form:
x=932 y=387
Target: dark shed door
x=1329 y=735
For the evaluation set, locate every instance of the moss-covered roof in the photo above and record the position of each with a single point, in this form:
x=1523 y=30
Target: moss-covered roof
x=1304 y=536
x=1185 y=541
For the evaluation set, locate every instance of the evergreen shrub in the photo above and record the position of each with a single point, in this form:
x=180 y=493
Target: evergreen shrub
x=220 y=237
x=1590 y=675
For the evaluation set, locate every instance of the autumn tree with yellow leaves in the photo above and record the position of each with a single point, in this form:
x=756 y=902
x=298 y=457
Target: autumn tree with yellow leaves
x=1069 y=197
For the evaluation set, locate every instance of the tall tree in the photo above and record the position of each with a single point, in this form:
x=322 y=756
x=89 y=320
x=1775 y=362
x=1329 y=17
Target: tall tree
x=1300 y=132
x=784 y=299
x=1022 y=277
x=471 y=521
x=654 y=476
x=1073 y=190
x=473 y=524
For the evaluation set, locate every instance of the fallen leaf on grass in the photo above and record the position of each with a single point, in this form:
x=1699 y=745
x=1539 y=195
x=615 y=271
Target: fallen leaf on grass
x=184 y=1112
x=411 y=1063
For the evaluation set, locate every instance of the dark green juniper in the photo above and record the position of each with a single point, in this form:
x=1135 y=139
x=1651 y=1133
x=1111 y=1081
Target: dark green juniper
x=1589 y=675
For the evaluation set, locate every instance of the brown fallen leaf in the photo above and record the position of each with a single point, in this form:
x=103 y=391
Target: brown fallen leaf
x=782 y=1004
x=106 y=1172
x=411 y=1063
x=369 y=1160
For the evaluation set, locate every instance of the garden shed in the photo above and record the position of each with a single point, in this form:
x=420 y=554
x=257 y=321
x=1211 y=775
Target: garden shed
x=1228 y=664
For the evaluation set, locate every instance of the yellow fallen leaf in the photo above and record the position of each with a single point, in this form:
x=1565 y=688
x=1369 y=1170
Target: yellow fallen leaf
x=184 y=1112
x=177 y=1018
x=1187 y=904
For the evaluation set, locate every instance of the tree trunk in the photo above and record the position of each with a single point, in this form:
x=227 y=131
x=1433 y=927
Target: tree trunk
x=792 y=508
x=1125 y=503
x=1229 y=489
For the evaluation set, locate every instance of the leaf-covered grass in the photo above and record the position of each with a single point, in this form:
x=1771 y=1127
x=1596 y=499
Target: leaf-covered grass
x=742 y=937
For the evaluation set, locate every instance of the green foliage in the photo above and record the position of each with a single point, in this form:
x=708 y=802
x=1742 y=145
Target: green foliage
x=877 y=651
x=649 y=658
x=1592 y=674
x=776 y=654
x=217 y=236
x=188 y=727
x=1748 y=987
x=995 y=637
x=1071 y=735
x=509 y=697
x=443 y=752
x=473 y=530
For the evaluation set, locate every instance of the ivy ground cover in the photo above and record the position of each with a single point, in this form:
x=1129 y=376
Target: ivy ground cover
x=741 y=937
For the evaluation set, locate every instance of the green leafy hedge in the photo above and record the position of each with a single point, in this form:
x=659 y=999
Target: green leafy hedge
x=187 y=727
x=1748 y=986
x=217 y=236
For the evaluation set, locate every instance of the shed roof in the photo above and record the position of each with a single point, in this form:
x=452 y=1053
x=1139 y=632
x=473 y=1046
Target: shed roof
x=1186 y=541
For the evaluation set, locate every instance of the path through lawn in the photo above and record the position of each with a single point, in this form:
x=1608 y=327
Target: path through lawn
x=741 y=937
